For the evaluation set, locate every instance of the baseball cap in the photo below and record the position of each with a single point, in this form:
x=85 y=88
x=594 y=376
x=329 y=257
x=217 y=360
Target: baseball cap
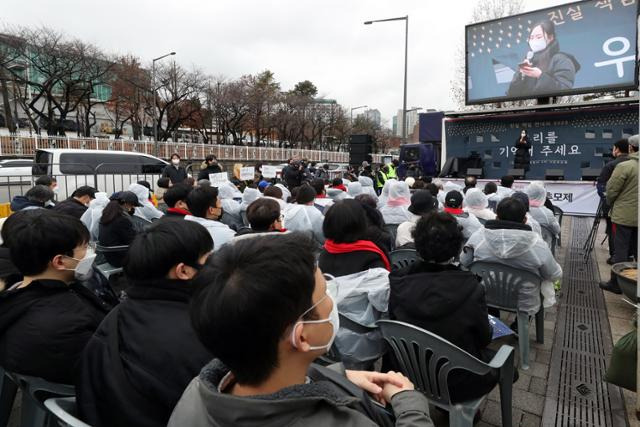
x=453 y=199
x=633 y=141
x=263 y=184
x=126 y=197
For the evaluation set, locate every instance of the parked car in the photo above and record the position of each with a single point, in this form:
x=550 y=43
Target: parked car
x=107 y=171
x=15 y=171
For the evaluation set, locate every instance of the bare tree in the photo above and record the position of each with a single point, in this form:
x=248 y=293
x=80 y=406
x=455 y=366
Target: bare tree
x=179 y=97
x=130 y=89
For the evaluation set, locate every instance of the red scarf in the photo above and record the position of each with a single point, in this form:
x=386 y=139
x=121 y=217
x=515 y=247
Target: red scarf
x=178 y=211
x=359 y=245
x=340 y=187
x=453 y=211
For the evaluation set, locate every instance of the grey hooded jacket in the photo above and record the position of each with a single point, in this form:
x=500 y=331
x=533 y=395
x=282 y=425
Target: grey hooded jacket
x=315 y=404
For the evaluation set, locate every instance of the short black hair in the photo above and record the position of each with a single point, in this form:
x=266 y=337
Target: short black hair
x=175 y=155
x=176 y=193
x=243 y=293
x=318 y=185
x=622 y=145
x=17 y=218
x=201 y=199
x=433 y=189
x=262 y=212
x=40 y=194
x=210 y=157
x=490 y=188
x=511 y=209
x=437 y=237
x=164 y=245
x=85 y=190
x=273 y=191
x=306 y=194
x=336 y=181
x=34 y=243
x=345 y=221
x=164 y=182
x=507 y=181
x=46 y=180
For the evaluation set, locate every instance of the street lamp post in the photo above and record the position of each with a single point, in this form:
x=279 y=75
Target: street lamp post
x=356 y=108
x=153 y=87
x=406 y=49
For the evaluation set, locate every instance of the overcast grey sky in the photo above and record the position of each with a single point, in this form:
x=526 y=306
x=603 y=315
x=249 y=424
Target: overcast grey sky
x=324 y=41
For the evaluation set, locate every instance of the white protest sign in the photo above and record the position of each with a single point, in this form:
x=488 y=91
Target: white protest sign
x=218 y=178
x=246 y=173
x=268 y=171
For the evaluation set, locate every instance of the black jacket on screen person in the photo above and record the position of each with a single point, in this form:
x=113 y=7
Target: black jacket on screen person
x=450 y=303
x=142 y=357
x=70 y=207
x=45 y=326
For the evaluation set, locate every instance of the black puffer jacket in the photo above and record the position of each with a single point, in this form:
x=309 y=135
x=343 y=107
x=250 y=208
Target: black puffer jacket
x=71 y=207
x=45 y=326
x=136 y=366
x=348 y=263
x=175 y=174
x=450 y=303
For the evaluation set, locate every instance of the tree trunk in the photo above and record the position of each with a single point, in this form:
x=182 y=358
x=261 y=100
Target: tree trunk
x=8 y=117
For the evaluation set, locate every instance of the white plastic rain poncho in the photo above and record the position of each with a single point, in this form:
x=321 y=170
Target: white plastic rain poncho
x=367 y=186
x=227 y=192
x=447 y=186
x=249 y=196
x=363 y=298
x=286 y=194
x=519 y=249
x=354 y=189
x=384 y=194
x=548 y=222
x=91 y=217
x=396 y=207
x=147 y=211
x=305 y=218
x=476 y=203
x=335 y=194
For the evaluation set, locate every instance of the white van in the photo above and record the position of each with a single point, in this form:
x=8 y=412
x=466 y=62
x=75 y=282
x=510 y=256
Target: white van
x=107 y=171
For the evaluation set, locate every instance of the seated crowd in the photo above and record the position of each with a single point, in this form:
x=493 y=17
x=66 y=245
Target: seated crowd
x=232 y=298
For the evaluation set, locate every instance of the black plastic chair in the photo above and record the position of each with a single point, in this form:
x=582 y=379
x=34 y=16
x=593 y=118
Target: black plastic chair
x=427 y=360
x=7 y=396
x=101 y=263
x=34 y=392
x=65 y=412
x=401 y=258
x=502 y=285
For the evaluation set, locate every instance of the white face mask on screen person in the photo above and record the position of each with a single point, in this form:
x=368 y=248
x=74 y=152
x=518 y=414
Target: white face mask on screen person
x=538 y=45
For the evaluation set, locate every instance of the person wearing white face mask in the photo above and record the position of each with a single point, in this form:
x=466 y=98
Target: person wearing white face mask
x=523 y=156
x=174 y=171
x=47 y=319
x=266 y=321
x=545 y=69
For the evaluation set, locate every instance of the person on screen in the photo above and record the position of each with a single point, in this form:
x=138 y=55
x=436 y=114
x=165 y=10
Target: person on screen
x=545 y=70
x=523 y=156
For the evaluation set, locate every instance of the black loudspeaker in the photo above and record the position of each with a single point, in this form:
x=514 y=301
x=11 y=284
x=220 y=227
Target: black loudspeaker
x=590 y=174
x=554 y=174
x=516 y=173
x=360 y=148
x=477 y=172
